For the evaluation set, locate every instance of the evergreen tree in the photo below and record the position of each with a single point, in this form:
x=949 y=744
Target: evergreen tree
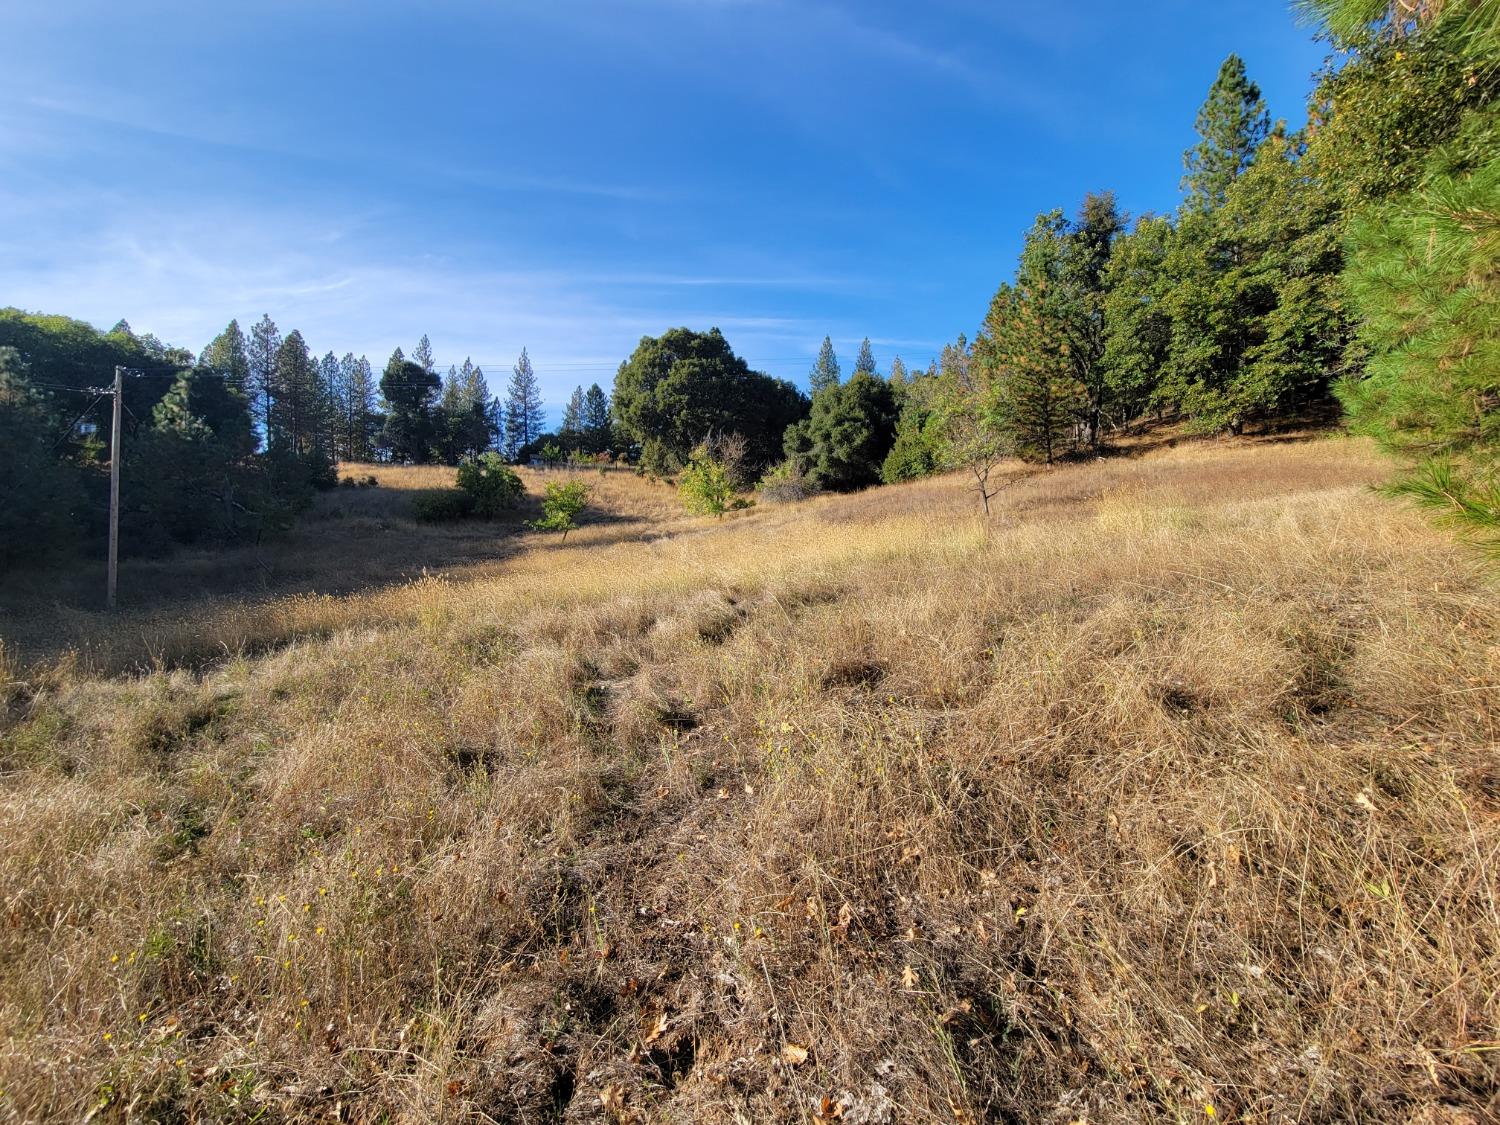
x=596 y=420
x=260 y=354
x=898 y=372
x=450 y=420
x=1083 y=278
x=572 y=419
x=357 y=414
x=422 y=354
x=525 y=417
x=844 y=441
x=1137 y=317
x=825 y=372
x=408 y=390
x=226 y=355
x=1024 y=354
x=1256 y=313
x=680 y=388
x=1231 y=125
x=865 y=363
x=1423 y=259
x=299 y=422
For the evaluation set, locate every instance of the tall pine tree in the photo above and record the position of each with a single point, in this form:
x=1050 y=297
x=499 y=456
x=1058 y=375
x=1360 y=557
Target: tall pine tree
x=260 y=354
x=825 y=372
x=525 y=417
x=1232 y=122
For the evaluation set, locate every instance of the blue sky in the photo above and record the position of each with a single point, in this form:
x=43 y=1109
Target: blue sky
x=568 y=175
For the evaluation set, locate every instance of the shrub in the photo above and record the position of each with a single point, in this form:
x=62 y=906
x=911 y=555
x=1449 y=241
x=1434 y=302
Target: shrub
x=705 y=487
x=490 y=484
x=372 y=481
x=561 y=503
x=441 y=507
x=785 y=484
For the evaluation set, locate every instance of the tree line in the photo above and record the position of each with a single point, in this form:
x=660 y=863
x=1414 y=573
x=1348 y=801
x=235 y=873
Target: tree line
x=229 y=445
x=1353 y=262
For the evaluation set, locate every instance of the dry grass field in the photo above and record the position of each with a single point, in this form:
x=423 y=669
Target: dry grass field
x=1170 y=793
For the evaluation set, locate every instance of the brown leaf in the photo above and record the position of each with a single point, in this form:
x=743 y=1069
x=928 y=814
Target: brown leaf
x=909 y=978
x=793 y=1054
x=630 y=987
x=829 y=1109
x=653 y=1027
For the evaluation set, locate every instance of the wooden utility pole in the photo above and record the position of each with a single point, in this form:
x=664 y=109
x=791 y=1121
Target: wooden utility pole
x=114 y=487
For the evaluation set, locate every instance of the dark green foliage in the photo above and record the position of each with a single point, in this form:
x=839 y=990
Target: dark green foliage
x=356 y=421
x=443 y=506
x=1231 y=124
x=301 y=422
x=825 y=372
x=408 y=389
x=490 y=483
x=525 y=417
x=679 y=389
x=464 y=422
x=864 y=364
x=1024 y=354
x=1137 y=318
x=914 y=453
x=1423 y=269
x=42 y=496
x=1257 y=322
x=845 y=439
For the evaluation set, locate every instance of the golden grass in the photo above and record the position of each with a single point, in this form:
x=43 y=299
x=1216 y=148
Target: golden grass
x=1171 y=786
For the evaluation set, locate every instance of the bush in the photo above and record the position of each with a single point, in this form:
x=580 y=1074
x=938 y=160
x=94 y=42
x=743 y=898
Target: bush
x=561 y=503
x=785 y=484
x=705 y=487
x=490 y=484
x=442 y=507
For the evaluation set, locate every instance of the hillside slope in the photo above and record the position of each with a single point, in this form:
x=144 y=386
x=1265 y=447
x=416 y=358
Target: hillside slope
x=1169 y=794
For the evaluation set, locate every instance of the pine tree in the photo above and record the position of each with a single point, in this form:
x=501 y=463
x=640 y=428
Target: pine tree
x=572 y=419
x=865 y=363
x=596 y=420
x=329 y=379
x=360 y=412
x=825 y=372
x=1024 y=353
x=898 y=372
x=524 y=414
x=408 y=390
x=422 y=354
x=1231 y=124
x=265 y=343
x=298 y=420
x=1137 y=317
x=226 y=355
x=1083 y=278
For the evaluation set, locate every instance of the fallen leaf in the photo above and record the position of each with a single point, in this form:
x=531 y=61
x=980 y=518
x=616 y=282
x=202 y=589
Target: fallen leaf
x=829 y=1109
x=723 y=794
x=793 y=1054
x=909 y=978
x=654 y=1025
